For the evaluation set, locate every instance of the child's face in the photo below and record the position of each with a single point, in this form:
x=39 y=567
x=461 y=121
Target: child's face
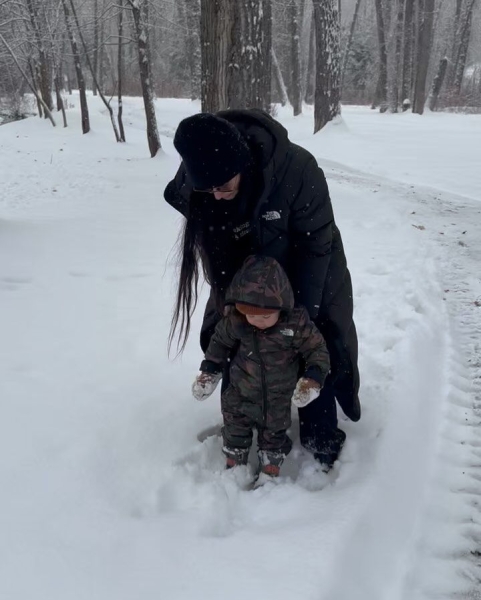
x=263 y=321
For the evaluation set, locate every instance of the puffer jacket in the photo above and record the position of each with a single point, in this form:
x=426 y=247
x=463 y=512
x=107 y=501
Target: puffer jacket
x=265 y=368
x=289 y=218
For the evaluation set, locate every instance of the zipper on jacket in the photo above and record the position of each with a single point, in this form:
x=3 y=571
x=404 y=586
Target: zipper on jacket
x=263 y=377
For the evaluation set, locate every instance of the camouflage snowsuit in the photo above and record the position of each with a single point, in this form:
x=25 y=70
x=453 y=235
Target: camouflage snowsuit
x=264 y=367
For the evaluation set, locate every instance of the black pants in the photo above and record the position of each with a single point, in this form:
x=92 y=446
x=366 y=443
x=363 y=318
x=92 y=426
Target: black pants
x=318 y=420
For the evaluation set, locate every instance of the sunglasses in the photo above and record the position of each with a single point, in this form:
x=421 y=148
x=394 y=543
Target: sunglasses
x=222 y=188
x=227 y=188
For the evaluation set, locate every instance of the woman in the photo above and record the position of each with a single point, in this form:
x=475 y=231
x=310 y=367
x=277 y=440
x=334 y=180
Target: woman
x=244 y=188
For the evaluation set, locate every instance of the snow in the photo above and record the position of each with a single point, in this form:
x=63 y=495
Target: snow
x=112 y=475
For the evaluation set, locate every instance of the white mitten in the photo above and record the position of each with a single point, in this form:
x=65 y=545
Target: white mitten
x=306 y=391
x=205 y=384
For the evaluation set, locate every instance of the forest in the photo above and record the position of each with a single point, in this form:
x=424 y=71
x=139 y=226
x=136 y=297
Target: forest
x=394 y=55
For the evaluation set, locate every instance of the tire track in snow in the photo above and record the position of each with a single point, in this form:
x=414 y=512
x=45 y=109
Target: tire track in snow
x=445 y=559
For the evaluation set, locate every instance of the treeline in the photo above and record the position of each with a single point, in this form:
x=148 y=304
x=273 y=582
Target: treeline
x=391 y=54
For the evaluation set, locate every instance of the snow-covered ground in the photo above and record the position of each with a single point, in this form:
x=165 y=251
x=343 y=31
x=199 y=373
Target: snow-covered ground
x=112 y=485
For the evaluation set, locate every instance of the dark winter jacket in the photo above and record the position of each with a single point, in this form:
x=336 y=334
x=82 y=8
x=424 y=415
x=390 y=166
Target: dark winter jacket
x=285 y=212
x=265 y=368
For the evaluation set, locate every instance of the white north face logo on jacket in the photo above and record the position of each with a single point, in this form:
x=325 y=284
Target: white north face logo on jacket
x=271 y=215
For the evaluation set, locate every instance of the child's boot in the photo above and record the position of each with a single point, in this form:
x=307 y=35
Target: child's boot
x=235 y=457
x=269 y=464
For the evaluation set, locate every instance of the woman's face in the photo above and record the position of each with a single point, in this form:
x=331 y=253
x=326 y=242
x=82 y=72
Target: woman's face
x=229 y=190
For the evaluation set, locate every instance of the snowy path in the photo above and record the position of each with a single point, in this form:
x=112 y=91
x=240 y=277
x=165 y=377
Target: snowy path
x=107 y=491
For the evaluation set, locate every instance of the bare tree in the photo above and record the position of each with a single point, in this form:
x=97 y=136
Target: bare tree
x=327 y=103
x=465 y=36
x=408 y=52
x=84 y=110
x=380 y=98
x=27 y=81
x=395 y=101
x=94 y=76
x=44 y=70
x=96 y=45
x=349 y=39
x=426 y=20
x=249 y=74
x=437 y=83
x=193 y=45
x=311 y=64
x=296 y=88
x=279 y=79
x=144 y=69
x=216 y=29
x=120 y=69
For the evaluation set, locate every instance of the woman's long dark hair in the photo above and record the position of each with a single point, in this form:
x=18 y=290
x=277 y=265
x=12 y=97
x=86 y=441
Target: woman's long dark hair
x=193 y=262
x=189 y=257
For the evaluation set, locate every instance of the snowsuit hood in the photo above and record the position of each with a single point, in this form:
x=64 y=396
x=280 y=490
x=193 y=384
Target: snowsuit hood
x=261 y=282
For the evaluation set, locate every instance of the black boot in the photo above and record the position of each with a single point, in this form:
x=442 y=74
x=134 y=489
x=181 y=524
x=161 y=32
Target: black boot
x=328 y=450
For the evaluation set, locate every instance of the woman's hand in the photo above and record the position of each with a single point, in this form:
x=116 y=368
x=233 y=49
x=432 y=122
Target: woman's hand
x=306 y=391
x=205 y=384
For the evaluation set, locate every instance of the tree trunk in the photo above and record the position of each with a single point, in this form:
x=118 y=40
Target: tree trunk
x=45 y=71
x=424 y=53
x=279 y=79
x=294 y=29
x=266 y=67
x=327 y=103
x=147 y=91
x=452 y=67
x=249 y=55
x=398 y=57
x=215 y=32
x=408 y=52
x=38 y=93
x=438 y=83
x=463 y=48
x=78 y=70
x=100 y=73
x=192 y=10
x=96 y=45
x=380 y=98
x=120 y=70
x=311 y=64
x=60 y=104
x=349 y=40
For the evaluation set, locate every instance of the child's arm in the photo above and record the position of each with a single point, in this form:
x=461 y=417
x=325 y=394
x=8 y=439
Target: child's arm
x=222 y=342
x=312 y=347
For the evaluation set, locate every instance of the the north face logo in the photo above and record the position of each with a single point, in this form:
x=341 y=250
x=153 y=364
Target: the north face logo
x=271 y=215
x=288 y=332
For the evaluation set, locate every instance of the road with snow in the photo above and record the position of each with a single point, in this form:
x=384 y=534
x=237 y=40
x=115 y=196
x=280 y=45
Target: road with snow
x=112 y=479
